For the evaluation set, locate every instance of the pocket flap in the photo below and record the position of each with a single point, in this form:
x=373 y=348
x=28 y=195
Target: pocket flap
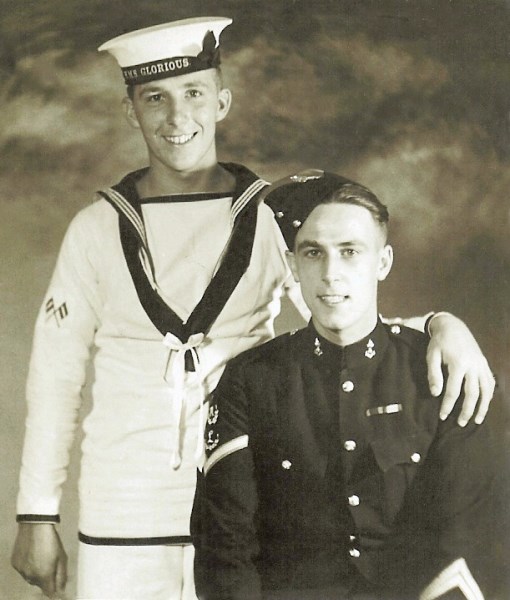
x=395 y=450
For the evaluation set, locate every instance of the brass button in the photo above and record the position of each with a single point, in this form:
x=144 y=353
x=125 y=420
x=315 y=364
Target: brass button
x=350 y=445
x=354 y=552
x=353 y=500
x=286 y=464
x=416 y=457
x=347 y=386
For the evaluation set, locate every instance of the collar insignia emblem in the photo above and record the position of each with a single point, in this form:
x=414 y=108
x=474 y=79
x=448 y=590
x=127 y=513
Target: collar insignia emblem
x=370 y=352
x=318 y=349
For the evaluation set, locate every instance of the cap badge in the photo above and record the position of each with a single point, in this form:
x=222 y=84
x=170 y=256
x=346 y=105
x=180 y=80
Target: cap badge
x=370 y=352
x=307 y=175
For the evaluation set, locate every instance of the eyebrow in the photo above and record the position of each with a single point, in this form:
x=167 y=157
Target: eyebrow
x=154 y=87
x=196 y=83
x=150 y=88
x=315 y=244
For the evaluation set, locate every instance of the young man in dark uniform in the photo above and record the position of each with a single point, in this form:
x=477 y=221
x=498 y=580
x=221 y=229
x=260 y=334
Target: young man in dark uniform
x=328 y=471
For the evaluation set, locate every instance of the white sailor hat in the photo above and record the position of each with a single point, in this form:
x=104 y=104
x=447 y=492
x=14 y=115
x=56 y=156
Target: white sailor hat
x=169 y=49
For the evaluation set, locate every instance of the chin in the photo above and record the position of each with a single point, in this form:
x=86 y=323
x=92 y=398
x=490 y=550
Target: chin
x=334 y=328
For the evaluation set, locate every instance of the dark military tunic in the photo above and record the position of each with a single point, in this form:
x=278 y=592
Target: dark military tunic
x=329 y=474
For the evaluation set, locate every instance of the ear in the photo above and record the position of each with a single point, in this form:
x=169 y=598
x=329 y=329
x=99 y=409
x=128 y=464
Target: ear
x=224 y=103
x=385 y=262
x=129 y=111
x=291 y=261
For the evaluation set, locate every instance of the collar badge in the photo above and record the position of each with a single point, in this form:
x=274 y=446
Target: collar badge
x=318 y=350
x=370 y=352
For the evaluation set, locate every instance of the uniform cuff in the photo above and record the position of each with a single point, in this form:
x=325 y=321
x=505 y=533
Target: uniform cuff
x=429 y=320
x=37 y=518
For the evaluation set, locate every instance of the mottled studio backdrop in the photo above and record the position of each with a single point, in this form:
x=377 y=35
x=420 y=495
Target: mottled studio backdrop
x=410 y=97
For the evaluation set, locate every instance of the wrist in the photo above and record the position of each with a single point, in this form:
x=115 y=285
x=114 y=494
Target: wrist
x=434 y=321
x=28 y=526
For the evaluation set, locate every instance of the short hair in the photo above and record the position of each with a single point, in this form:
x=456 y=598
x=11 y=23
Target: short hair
x=359 y=195
x=130 y=87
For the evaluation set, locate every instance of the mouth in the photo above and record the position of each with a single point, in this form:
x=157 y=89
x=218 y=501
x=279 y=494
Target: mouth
x=333 y=299
x=179 y=140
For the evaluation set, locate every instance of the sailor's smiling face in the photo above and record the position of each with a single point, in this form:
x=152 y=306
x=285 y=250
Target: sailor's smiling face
x=340 y=255
x=177 y=117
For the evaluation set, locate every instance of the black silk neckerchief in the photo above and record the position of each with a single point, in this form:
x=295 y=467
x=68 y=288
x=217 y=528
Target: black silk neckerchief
x=233 y=266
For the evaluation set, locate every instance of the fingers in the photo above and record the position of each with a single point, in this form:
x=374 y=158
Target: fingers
x=61 y=576
x=471 y=395
x=452 y=392
x=487 y=386
x=46 y=583
x=478 y=391
x=47 y=586
x=435 y=372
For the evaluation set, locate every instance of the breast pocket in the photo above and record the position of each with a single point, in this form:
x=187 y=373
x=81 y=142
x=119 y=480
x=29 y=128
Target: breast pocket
x=399 y=458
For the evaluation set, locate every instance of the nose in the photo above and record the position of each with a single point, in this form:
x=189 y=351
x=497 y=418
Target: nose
x=176 y=113
x=331 y=268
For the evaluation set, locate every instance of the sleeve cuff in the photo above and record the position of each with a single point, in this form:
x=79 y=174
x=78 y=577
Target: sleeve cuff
x=427 y=323
x=37 y=518
x=429 y=320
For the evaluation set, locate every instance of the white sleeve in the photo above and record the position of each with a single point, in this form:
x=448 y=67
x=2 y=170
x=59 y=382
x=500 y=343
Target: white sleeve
x=417 y=323
x=64 y=333
x=293 y=291
x=291 y=288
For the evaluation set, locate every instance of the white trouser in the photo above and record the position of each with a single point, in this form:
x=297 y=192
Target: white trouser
x=135 y=573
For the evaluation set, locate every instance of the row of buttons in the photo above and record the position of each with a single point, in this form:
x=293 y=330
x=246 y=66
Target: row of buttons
x=354 y=552
x=350 y=446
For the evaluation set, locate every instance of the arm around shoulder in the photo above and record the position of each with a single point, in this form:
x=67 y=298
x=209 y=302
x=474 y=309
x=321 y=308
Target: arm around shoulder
x=452 y=345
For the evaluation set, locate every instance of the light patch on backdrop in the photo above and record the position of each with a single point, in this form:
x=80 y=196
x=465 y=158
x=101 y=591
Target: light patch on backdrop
x=391 y=68
x=439 y=189
x=76 y=102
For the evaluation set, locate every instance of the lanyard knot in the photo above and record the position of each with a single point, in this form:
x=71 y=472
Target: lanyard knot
x=174 y=376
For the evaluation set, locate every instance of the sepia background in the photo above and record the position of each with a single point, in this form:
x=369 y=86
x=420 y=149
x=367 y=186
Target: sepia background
x=411 y=98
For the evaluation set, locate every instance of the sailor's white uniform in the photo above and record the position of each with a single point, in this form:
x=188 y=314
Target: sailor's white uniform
x=143 y=434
